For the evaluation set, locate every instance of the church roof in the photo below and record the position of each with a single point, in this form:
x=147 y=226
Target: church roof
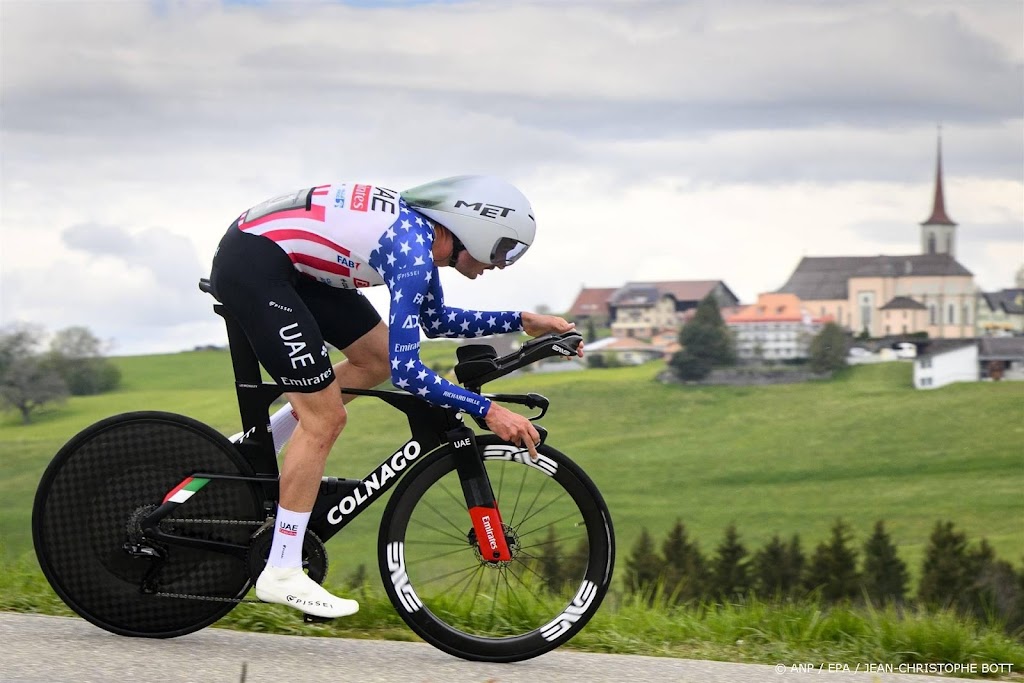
x=826 y=277
x=903 y=302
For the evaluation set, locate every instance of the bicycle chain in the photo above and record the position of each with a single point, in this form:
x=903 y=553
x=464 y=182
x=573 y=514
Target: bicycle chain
x=211 y=598
x=208 y=598
x=229 y=522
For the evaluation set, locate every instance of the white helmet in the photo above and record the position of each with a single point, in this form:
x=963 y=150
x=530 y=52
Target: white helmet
x=490 y=217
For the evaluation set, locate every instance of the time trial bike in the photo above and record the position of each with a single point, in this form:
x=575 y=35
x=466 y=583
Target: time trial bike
x=154 y=524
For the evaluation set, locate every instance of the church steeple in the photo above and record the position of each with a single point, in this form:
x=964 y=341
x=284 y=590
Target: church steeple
x=938 y=233
x=939 y=216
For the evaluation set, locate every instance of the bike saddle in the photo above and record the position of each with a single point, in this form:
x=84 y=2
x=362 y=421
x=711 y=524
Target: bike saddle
x=206 y=286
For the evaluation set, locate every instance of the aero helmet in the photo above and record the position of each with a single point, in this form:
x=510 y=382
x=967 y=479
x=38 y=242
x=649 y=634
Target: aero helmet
x=490 y=217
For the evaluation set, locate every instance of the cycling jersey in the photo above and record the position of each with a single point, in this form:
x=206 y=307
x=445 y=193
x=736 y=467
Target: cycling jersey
x=353 y=235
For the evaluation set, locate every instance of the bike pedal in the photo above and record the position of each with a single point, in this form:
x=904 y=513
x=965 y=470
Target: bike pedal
x=313 y=619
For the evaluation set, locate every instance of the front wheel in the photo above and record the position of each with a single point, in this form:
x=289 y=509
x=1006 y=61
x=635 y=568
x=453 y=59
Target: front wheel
x=562 y=549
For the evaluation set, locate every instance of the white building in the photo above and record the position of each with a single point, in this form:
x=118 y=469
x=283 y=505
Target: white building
x=777 y=327
x=935 y=370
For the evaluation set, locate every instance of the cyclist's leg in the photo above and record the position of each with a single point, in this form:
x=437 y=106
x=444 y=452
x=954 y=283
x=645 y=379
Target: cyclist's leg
x=366 y=361
x=321 y=419
x=349 y=322
x=256 y=281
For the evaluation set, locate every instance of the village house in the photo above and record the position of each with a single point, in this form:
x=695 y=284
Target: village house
x=642 y=310
x=1002 y=312
x=777 y=327
x=984 y=359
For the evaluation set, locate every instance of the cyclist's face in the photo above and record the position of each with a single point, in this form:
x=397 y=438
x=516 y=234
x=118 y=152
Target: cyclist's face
x=470 y=267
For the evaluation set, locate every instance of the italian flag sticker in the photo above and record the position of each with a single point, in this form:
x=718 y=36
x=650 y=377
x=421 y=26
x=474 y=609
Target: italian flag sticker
x=185 y=490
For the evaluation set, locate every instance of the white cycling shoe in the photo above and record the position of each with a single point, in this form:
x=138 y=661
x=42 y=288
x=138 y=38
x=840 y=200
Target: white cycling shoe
x=290 y=586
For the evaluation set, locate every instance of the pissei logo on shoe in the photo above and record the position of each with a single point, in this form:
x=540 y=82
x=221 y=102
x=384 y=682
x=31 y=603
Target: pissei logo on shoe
x=294 y=600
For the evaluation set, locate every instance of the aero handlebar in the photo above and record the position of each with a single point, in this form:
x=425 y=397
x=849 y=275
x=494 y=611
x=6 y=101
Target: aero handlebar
x=479 y=363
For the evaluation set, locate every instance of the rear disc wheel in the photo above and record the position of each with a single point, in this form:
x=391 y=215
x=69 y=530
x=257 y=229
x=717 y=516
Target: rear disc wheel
x=92 y=499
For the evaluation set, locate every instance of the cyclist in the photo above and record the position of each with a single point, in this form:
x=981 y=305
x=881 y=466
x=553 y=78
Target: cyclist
x=289 y=270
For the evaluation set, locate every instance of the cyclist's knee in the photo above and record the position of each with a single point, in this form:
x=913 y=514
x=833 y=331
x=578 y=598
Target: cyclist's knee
x=321 y=414
x=380 y=367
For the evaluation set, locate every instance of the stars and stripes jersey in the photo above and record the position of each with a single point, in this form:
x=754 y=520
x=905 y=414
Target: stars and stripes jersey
x=351 y=235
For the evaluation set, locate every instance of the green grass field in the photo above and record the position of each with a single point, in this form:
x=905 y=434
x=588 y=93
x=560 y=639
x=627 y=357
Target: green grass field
x=777 y=459
x=773 y=459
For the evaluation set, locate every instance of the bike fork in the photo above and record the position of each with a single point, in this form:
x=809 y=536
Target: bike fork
x=483 y=508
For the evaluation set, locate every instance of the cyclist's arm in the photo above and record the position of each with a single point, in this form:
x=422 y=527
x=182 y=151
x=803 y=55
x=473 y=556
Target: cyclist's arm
x=407 y=268
x=440 y=320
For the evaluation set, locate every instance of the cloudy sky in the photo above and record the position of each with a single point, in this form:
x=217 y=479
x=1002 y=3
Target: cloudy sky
x=656 y=140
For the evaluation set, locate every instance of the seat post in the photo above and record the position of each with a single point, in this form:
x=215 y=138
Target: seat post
x=254 y=397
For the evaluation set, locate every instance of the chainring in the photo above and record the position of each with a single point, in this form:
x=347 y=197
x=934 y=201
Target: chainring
x=314 y=554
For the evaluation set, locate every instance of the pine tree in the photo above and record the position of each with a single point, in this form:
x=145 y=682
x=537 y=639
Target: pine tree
x=644 y=568
x=729 y=572
x=833 y=567
x=706 y=342
x=998 y=592
x=946 y=570
x=885 y=575
x=776 y=568
x=550 y=565
x=795 y=563
x=574 y=568
x=685 y=567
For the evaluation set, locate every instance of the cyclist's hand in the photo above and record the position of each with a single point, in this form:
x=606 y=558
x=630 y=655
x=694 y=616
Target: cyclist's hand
x=513 y=427
x=536 y=324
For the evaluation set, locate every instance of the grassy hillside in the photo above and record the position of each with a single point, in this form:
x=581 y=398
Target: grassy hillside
x=775 y=459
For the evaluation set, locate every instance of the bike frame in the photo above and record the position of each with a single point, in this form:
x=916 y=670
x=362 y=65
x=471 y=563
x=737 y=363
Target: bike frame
x=341 y=500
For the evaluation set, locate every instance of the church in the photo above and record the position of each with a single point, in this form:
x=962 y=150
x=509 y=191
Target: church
x=928 y=292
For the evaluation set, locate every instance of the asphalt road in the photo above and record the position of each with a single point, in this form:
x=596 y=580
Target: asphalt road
x=40 y=649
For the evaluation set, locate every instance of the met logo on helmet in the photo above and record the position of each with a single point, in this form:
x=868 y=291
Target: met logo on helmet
x=485 y=210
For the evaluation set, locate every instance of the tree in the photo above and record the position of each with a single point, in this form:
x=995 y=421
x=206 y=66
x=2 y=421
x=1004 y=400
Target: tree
x=686 y=572
x=729 y=571
x=643 y=568
x=833 y=567
x=706 y=341
x=776 y=568
x=550 y=562
x=795 y=561
x=994 y=590
x=26 y=382
x=77 y=356
x=828 y=349
x=574 y=566
x=946 y=571
x=885 y=575
x=998 y=591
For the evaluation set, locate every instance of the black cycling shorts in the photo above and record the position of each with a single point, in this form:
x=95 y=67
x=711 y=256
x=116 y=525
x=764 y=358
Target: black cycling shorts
x=286 y=315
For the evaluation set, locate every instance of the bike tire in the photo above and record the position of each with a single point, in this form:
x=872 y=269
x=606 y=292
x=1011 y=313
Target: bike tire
x=88 y=506
x=442 y=588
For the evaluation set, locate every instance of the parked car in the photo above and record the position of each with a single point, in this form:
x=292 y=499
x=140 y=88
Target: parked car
x=906 y=350
x=858 y=352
